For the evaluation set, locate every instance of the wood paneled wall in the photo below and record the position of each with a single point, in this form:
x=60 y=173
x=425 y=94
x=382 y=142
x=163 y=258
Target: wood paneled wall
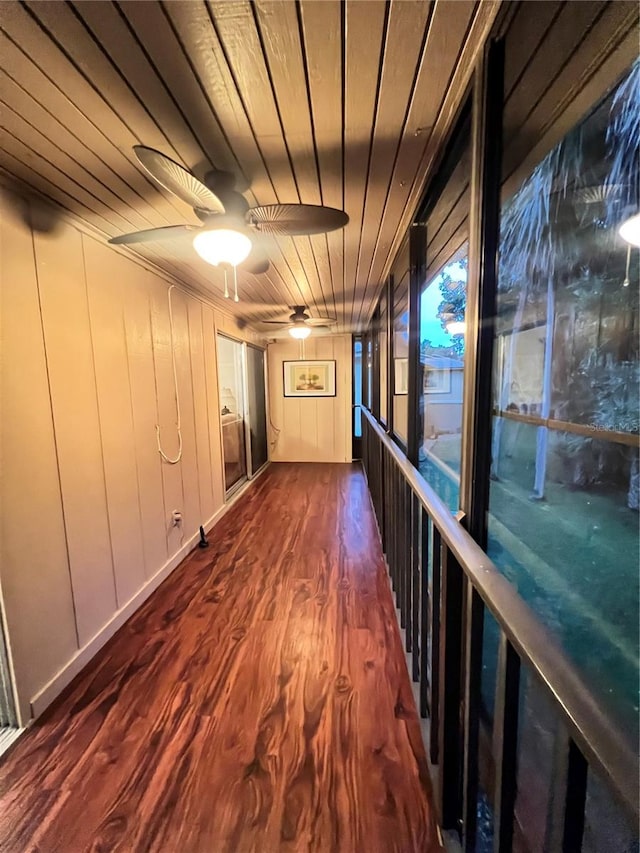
x=315 y=429
x=86 y=500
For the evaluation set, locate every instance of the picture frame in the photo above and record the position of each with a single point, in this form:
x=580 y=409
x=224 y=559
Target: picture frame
x=309 y=378
x=437 y=380
x=401 y=376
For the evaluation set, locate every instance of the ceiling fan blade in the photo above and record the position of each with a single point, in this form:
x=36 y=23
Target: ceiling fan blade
x=168 y=232
x=275 y=322
x=296 y=219
x=321 y=321
x=173 y=177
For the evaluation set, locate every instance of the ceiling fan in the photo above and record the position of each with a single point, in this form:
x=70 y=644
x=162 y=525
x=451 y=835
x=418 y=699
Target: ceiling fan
x=300 y=323
x=229 y=226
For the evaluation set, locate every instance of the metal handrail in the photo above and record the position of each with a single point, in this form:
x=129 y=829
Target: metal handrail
x=588 y=723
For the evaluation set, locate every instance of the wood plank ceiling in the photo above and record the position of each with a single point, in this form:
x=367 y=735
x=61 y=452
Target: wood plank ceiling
x=332 y=103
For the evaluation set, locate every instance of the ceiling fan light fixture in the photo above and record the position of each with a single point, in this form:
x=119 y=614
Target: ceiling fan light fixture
x=300 y=332
x=222 y=246
x=630 y=230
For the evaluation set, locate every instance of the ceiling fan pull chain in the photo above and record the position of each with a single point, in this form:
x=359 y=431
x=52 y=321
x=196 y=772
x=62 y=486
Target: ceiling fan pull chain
x=235 y=284
x=226 y=286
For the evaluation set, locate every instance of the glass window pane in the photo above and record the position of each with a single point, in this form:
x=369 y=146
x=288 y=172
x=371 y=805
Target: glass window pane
x=357 y=386
x=382 y=338
x=230 y=373
x=565 y=484
x=401 y=341
x=369 y=401
x=442 y=326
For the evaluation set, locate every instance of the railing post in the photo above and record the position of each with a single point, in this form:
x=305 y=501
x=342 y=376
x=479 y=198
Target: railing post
x=505 y=734
x=434 y=704
x=450 y=739
x=416 y=514
x=565 y=823
x=408 y=566
x=426 y=641
x=474 y=623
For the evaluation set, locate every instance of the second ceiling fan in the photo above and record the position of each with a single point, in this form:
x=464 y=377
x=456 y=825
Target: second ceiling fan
x=229 y=225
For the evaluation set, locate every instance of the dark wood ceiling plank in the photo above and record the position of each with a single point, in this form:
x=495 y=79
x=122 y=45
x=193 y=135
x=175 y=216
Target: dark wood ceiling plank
x=87 y=103
x=110 y=30
x=17 y=138
x=365 y=31
x=58 y=136
x=322 y=41
x=111 y=207
x=599 y=38
x=561 y=40
x=279 y=30
x=405 y=35
x=236 y=28
x=451 y=241
x=192 y=23
x=448 y=28
x=40 y=95
x=526 y=33
x=197 y=27
x=71 y=38
x=153 y=30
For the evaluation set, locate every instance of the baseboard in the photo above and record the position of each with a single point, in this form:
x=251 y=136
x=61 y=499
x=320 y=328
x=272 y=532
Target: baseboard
x=44 y=697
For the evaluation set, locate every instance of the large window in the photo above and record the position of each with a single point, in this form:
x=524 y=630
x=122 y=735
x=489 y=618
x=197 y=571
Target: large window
x=401 y=341
x=442 y=322
x=565 y=484
x=382 y=350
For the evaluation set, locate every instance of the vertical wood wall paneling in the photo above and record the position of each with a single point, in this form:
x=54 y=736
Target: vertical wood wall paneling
x=213 y=405
x=138 y=285
x=313 y=429
x=167 y=416
x=103 y=269
x=34 y=571
x=200 y=411
x=192 y=516
x=67 y=337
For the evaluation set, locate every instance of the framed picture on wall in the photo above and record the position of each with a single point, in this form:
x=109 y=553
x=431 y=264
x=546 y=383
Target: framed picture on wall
x=309 y=378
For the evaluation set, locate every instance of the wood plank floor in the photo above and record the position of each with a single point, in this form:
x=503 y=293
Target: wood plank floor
x=259 y=700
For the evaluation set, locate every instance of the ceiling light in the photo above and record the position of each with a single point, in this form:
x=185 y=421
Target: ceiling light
x=456 y=327
x=222 y=246
x=630 y=230
x=300 y=332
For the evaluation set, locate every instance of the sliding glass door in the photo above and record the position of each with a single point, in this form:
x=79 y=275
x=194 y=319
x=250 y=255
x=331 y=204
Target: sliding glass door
x=243 y=410
x=232 y=411
x=256 y=409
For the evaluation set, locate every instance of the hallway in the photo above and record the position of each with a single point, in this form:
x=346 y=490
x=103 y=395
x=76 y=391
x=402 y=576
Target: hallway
x=259 y=701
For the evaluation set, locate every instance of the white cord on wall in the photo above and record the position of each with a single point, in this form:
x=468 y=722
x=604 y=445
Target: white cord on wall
x=175 y=387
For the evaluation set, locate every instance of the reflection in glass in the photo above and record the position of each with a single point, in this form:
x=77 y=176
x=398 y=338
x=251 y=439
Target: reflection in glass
x=382 y=339
x=442 y=312
x=232 y=411
x=357 y=387
x=565 y=485
x=401 y=356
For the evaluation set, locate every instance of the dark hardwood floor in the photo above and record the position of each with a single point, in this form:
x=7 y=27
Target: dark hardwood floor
x=259 y=701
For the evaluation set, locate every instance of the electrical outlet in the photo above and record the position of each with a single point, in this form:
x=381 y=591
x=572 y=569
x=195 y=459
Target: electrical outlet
x=176 y=517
